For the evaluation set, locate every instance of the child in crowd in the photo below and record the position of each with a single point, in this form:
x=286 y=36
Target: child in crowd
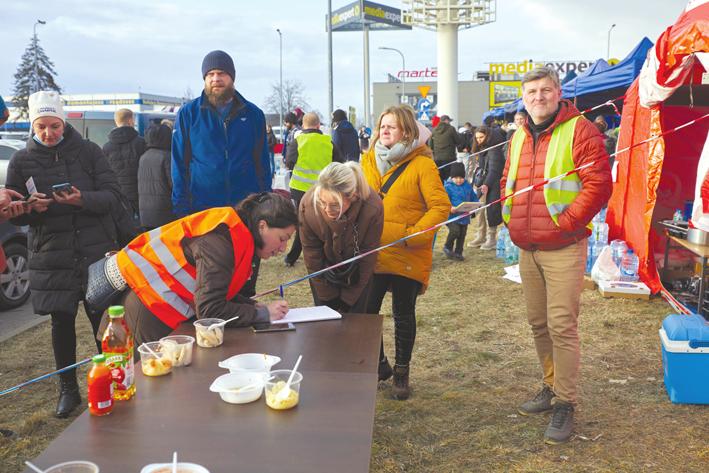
x=459 y=191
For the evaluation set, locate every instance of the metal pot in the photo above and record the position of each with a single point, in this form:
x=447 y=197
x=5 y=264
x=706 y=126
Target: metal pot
x=698 y=236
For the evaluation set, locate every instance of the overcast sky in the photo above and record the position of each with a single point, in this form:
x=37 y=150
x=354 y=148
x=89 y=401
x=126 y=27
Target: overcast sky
x=157 y=46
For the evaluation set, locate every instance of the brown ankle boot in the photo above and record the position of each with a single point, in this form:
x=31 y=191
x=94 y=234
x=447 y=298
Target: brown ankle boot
x=400 y=388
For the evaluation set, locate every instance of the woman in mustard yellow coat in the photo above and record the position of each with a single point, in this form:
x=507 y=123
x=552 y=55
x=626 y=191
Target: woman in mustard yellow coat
x=416 y=200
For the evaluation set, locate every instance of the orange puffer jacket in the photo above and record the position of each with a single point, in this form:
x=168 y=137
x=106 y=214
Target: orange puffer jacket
x=531 y=227
x=416 y=201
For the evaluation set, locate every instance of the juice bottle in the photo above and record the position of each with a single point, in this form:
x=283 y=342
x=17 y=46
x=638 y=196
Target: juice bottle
x=100 y=383
x=117 y=345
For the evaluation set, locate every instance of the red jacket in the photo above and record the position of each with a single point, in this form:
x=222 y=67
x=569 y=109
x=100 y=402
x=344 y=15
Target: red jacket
x=531 y=227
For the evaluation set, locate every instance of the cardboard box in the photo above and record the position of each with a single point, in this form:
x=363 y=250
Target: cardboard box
x=685 y=358
x=623 y=289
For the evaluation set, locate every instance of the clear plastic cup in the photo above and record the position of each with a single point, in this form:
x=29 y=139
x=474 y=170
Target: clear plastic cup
x=207 y=337
x=167 y=468
x=157 y=362
x=73 y=467
x=179 y=347
x=276 y=384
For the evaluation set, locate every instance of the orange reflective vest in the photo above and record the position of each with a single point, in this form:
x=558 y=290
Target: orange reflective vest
x=155 y=267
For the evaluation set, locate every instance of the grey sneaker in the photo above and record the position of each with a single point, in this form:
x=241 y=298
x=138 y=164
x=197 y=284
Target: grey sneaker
x=561 y=424
x=541 y=402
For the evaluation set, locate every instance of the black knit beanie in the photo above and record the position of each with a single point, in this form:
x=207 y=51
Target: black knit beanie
x=218 y=60
x=457 y=170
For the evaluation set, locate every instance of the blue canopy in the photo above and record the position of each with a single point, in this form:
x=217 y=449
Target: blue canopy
x=600 y=76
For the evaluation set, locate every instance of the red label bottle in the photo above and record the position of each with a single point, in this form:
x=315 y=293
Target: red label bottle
x=100 y=387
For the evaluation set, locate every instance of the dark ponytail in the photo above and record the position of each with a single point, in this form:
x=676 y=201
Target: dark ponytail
x=274 y=209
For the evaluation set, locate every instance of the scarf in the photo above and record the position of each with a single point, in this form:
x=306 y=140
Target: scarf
x=388 y=157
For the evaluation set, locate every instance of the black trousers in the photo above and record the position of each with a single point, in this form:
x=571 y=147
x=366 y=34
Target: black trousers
x=456 y=235
x=404 y=292
x=297 y=247
x=64 y=335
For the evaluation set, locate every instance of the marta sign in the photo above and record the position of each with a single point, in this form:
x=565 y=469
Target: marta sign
x=521 y=68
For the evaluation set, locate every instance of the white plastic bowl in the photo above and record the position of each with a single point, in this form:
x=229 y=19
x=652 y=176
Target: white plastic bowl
x=250 y=363
x=78 y=466
x=167 y=468
x=229 y=386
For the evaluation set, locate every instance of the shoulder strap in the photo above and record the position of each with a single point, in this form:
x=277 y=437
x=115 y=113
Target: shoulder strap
x=392 y=179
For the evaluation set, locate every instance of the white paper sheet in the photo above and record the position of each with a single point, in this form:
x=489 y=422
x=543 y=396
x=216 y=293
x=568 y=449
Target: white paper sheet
x=512 y=273
x=308 y=314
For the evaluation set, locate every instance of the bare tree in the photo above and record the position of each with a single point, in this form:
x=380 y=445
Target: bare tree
x=293 y=96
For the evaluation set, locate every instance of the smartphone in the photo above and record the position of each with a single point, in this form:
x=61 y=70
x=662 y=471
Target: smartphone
x=59 y=188
x=268 y=327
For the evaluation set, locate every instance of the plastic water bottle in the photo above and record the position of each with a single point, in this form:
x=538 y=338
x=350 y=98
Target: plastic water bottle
x=678 y=216
x=601 y=231
x=511 y=252
x=618 y=249
x=589 y=258
x=629 y=267
x=502 y=237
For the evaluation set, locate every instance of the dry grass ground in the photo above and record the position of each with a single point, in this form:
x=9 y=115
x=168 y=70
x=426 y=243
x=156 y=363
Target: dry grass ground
x=474 y=361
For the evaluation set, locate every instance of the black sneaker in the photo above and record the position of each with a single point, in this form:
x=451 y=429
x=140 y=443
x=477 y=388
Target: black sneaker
x=385 y=370
x=561 y=424
x=541 y=402
x=448 y=252
x=288 y=263
x=458 y=257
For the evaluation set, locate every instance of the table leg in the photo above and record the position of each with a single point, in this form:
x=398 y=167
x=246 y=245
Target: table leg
x=700 y=309
x=667 y=254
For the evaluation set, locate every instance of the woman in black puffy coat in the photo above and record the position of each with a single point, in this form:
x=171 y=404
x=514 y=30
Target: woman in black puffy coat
x=155 y=180
x=69 y=229
x=492 y=161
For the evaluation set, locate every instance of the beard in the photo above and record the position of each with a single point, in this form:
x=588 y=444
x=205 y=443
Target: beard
x=221 y=97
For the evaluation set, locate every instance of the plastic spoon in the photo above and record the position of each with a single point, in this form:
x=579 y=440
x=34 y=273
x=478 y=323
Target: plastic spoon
x=174 y=462
x=222 y=323
x=157 y=357
x=34 y=467
x=283 y=393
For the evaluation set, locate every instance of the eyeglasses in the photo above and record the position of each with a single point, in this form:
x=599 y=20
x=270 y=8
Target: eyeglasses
x=331 y=207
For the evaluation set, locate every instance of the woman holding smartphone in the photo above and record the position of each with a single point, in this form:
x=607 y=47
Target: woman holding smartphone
x=69 y=229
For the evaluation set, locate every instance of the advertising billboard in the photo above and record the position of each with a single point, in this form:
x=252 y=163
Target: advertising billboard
x=503 y=92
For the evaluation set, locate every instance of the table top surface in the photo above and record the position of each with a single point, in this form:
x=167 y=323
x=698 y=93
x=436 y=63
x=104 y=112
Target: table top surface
x=699 y=250
x=329 y=430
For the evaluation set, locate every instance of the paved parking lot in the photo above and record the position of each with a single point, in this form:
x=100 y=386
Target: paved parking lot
x=18 y=320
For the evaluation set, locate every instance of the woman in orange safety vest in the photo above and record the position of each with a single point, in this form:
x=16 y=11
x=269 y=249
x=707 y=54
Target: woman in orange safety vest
x=196 y=266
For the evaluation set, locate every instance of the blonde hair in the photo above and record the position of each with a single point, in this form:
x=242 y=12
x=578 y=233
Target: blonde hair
x=405 y=119
x=344 y=180
x=122 y=117
x=311 y=120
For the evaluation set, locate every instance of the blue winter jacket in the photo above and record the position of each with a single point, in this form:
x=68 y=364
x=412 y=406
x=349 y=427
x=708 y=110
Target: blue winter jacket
x=459 y=194
x=346 y=139
x=218 y=162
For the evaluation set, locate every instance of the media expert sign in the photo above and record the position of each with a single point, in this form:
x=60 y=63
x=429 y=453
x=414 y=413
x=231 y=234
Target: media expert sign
x=562 y=67
x=503 y=92
x=378 y=17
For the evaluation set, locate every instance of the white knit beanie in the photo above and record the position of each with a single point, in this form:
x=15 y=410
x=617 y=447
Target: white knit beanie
x=45 y=103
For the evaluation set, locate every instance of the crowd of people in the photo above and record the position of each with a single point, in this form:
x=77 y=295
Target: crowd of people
x=203 y=212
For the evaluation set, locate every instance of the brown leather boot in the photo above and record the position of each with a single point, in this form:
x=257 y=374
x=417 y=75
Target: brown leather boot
x=400 y=388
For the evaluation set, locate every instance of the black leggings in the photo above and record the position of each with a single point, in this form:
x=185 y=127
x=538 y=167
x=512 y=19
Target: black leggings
x=297 y=247
x=404 y=292
x=456 y=234
x=64 y=335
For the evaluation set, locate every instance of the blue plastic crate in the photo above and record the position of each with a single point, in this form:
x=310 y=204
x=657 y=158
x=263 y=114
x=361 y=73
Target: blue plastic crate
x=685 y=358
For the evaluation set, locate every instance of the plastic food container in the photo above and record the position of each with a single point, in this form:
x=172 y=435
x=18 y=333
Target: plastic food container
x=238 y=388
x=167 y=468
x=73 y=467
x=179 y=347
x=250 y=363
x=276 y=384
x=206 y=337
x=157 y=364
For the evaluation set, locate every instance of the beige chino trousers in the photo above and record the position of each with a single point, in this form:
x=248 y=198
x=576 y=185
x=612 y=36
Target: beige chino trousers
x=552 y=282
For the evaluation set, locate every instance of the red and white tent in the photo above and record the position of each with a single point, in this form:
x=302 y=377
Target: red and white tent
x=654 y=179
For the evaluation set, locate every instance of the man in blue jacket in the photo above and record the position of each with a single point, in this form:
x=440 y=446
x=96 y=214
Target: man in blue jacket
x=219 y=145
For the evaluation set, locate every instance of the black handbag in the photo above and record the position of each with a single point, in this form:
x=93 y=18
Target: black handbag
x=105 y=284
x=479 y=176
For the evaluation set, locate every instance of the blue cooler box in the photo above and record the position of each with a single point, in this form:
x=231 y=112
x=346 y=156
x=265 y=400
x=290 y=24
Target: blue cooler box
x=685 y=358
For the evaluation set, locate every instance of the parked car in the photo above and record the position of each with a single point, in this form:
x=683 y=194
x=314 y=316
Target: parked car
x=15 y=280
x=7 y=149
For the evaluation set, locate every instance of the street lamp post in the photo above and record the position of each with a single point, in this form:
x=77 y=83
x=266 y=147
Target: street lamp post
x=280 y=73
x=403 y=70
x=608 y=52
x=34 y=38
